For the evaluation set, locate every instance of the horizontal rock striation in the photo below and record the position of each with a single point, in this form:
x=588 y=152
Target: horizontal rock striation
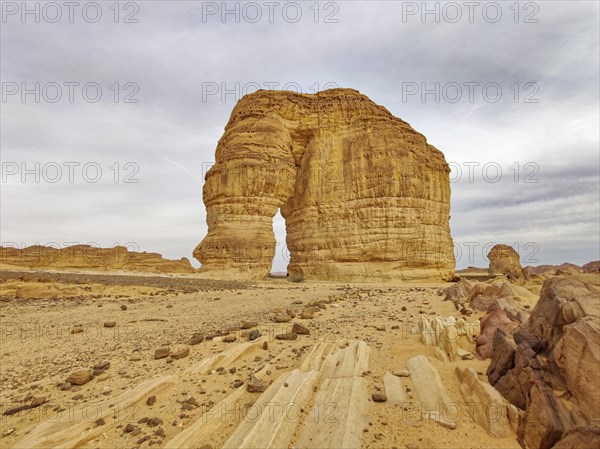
x=364 y=195
x=87 y=257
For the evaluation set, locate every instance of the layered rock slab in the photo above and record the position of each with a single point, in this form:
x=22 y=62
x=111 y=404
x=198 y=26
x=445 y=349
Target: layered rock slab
x=364 y=195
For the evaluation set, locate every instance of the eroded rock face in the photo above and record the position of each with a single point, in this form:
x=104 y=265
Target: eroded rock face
x=91 y=258
x=364 y=195
x=550 y=370
x=505 y=260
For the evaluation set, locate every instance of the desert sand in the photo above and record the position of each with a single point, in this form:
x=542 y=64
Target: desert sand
x=56 y=325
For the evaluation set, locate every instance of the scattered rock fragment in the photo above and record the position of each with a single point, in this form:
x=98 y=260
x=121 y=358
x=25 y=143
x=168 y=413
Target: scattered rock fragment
x=35 y=402
x=255 y=385
x=196 y=339
x=110 y=323
x=153 y=422
x=162 y=352
x=248 y=324
x=282 y=318
x=180 y=353
x=253 y=334
x=379 y=397
x=79 y=377
x=298 y=328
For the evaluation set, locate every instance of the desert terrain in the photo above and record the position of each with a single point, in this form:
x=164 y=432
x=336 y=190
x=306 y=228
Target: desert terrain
x=57 y=323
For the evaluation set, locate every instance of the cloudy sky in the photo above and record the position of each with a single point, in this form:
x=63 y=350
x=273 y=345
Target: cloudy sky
x=117 y=111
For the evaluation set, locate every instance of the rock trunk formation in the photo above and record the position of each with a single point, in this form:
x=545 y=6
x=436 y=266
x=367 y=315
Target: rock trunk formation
x=364 y=195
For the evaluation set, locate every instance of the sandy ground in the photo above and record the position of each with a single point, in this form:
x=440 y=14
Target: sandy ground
x=39 y=351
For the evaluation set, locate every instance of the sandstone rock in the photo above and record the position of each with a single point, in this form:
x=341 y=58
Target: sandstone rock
x=300 y=329
x=428 y=384
x=379 y=397
x=553 y=372
x=308 y=313
x=394 y=390
x=162 y=352
x=79 y=377
x=255 y=385
x=92 y=258
x=579 y=437
x=505 y=260
x=253 y=334
x=229 y=338
x=490 y=409
x=35 y=402
x=287 y=336
x=180 y=353
x=248 y=324
x=282 y=318
x=364 y=196
x=489 y=324
x=197 y=338
x=458 y=291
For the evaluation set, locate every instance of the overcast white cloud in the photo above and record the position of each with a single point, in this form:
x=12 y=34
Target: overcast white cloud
x=543 y=128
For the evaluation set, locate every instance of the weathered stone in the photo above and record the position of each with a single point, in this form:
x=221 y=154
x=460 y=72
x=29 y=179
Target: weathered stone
x=505 y=260
x=255 y=385
x=490 y=409
x=253 y=334
x=287 y=336
x=554 y=372
x=179 y=353
x=365 y=201
x=282 y=318
x=248 y=324
x=379 y=397
x=79 y=377
x=298 y=328
x=162 y=352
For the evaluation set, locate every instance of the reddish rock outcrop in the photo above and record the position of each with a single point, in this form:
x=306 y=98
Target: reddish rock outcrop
x=364 y=195
x=552 y=368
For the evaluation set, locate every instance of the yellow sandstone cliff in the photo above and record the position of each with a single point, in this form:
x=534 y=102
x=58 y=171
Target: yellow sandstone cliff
x=364 y=196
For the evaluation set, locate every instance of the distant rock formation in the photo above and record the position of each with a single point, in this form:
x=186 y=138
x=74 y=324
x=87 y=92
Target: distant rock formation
x=550 y=367
x=87 y=257
x=591 y=267
x=364 y=195
x=543 y=269
x=505 y=260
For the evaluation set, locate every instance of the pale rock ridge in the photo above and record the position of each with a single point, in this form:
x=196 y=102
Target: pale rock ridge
x=88 y=257
x=364 y=195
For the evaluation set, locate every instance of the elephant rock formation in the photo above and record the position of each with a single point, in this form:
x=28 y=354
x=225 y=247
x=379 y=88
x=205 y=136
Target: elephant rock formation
x=364 y=196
